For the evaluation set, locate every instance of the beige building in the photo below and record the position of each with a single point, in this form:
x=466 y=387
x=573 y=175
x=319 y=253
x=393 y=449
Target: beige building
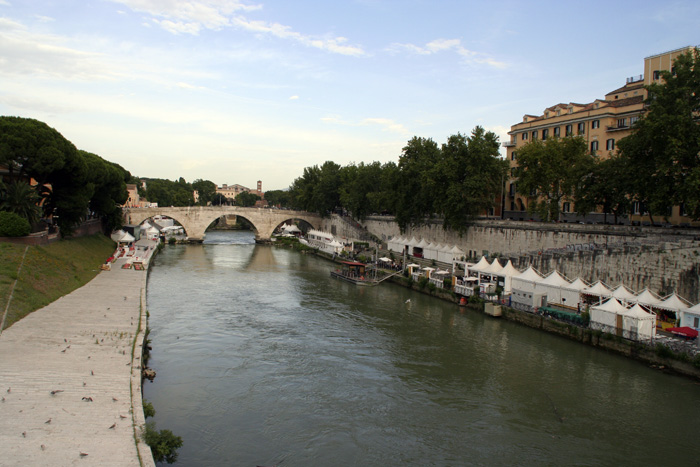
x=602 y=123
x=231 y=191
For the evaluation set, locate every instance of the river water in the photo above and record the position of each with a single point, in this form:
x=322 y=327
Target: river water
x=264 y=359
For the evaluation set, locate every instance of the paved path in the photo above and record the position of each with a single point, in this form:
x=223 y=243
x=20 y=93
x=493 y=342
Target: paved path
x=79 y=347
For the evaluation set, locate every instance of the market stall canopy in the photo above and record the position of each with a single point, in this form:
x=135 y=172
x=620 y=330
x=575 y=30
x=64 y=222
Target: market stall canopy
x=647 y=297
x=529 y=275
x=413 y=265
x=457 y=252
x=599 y=290
x=509 y=270
x=640 y=313
x=673 y=303
x=611 y=305
x=554 y=279
x=385 y=259
x=577 y=284
x=494 y=268
x=623 y=293
x=482 y=265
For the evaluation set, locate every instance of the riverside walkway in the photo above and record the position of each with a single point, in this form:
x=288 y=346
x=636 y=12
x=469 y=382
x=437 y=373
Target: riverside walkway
x=70 y=376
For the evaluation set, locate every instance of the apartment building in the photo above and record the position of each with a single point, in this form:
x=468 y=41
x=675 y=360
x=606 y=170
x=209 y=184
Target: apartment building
x=602 y=123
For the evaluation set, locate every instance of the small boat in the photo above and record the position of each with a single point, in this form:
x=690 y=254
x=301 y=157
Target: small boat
x=357 y=273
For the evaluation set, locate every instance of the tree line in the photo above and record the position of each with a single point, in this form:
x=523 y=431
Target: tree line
x=456 y=181
x=71 y=185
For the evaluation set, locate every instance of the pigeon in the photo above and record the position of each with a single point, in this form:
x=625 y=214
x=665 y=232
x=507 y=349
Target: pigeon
x=83 y=454
x=113 y=426
x=24 y=434
x=87 y=399
x=48 y=421
x=56 y=391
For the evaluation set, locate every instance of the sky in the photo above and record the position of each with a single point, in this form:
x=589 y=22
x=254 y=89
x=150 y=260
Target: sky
x=236 y=91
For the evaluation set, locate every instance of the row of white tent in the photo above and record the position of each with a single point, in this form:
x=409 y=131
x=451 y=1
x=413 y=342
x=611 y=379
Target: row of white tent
x=429 y=250
x=561 y=291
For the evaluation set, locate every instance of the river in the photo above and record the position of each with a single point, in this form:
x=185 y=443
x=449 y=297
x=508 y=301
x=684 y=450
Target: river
x=263 y=359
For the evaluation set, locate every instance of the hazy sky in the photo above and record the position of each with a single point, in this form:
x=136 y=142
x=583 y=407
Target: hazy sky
x=236 y=91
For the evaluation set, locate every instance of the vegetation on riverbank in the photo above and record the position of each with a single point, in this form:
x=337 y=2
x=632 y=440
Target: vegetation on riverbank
x=48 y=272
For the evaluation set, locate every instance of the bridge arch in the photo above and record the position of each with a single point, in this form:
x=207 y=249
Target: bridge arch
x=196 y=219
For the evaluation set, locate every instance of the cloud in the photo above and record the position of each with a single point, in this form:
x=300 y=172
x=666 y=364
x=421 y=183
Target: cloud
x=385 y=123
x=446 y=45
x=293 y=98
x=193 y=16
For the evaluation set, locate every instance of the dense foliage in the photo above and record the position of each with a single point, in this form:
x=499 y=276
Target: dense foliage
x=457 y=182
x=71 y=185
x=664 y=149
x=13 y=225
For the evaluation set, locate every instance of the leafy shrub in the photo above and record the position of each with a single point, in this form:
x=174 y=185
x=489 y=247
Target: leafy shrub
x=163 y=443
x=431 y=287
x=148 y=410
x=12 y=225
x=422 y=282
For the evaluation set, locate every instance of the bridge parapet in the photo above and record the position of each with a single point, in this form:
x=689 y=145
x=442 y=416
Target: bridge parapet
x=196 y=219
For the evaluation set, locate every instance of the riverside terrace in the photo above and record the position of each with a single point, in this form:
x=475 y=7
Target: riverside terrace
x=70 y=376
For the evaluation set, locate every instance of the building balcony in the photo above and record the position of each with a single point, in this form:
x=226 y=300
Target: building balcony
x=509 y=144
x=617 y=127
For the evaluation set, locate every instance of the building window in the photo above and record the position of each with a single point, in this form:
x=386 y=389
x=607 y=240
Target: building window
x=610 y=145
x=595 y=124
x=534 y=135
x=633 y=120
x=512 y=156
x=569 y=130
x=557 y=131
x=524 y=135
x=566 y=207
x=621 y=122
x=512 y=171
x=558 y=112
x=581 y=128
x=635 y=208
x=656 y=74
x=545 y=134
x=594 y=147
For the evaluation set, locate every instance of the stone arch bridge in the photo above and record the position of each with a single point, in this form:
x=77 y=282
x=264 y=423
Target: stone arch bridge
x=196 y=219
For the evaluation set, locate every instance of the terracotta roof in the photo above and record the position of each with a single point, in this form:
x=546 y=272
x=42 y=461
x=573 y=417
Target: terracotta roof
x=625 y=102
x=627 y=87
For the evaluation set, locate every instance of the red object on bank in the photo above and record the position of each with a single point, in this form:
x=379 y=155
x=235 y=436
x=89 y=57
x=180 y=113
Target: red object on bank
x=684 y=331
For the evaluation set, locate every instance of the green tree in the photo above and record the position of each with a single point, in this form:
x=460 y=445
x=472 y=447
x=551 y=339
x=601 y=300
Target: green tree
x=471 y=177
x=280 y=198
x=607 y=186
x=664 y=147
x=169 y=193
x=218 y=200
x=20 y=198
x=415 y=186
x=246 y=199
x=550 y=171
x=32 y=149
x=206 y=190
x=109 y=189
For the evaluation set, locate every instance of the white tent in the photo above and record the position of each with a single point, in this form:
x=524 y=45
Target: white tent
x=647 y=297
x=480 y=266
x=639 y=324
x=444 y=254
x=457 y=253
x=552 y=286
x=691 y=317
x=605 y=316
x=624 y=294
x=431 y=251
x=494 y=268
x=571 y=293
x=121 y=236
x=599 y=290
x=152 y=233
x=508 y=272
x=673 y=303
x=525 y=281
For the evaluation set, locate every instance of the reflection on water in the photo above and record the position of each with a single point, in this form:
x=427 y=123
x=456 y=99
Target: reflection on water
x=263 y=358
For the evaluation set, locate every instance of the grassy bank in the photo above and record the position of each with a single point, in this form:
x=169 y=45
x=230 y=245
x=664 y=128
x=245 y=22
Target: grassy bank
x=48 y=273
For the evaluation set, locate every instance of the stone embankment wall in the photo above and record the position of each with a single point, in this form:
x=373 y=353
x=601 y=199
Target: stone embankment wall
x=662 y=259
